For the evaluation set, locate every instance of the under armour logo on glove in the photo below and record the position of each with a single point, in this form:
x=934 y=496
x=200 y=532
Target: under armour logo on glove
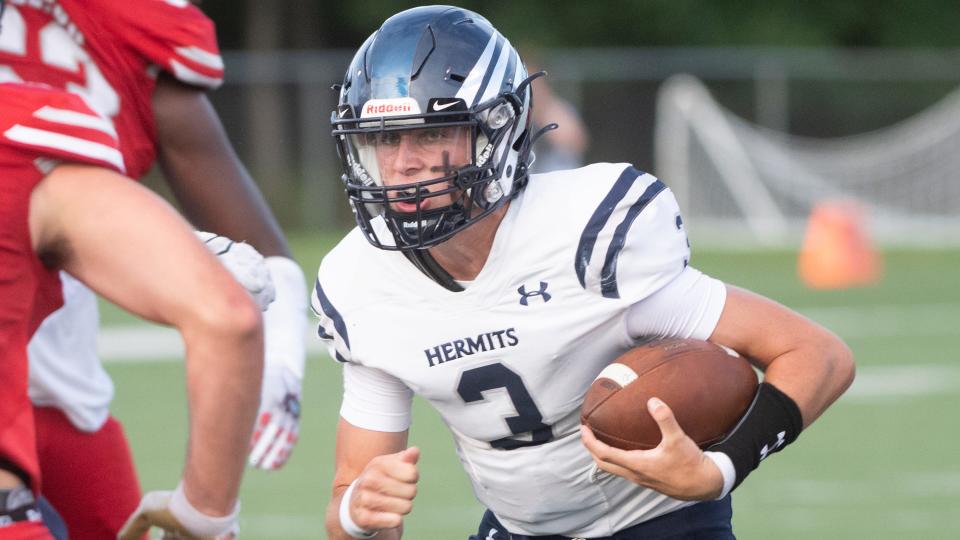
x=542 y=293
x=278 y=424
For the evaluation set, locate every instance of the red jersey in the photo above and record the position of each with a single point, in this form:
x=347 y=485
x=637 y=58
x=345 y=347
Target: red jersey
x=39 y=127
x=109 y=52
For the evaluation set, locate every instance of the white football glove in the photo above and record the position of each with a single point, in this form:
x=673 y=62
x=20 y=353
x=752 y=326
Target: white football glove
x=245 y=263
x=285 y=328
x=278 y=425
x=171 y=512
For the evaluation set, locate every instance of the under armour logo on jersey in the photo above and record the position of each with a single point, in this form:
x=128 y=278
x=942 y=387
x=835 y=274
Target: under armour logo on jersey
x=542 y=293
x=767 y=450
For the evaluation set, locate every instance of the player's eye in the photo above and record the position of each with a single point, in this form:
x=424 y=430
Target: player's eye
x=432 y=136
x=389 y=138
x=386 y=138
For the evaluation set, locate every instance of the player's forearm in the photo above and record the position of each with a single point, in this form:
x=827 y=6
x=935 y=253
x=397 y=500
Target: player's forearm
x=209 y=181
x=224 y=369
x=805 y=361
x=217 y=194
x=813 y=375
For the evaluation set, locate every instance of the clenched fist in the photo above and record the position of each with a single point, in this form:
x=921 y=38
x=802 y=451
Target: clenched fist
x=384 y=492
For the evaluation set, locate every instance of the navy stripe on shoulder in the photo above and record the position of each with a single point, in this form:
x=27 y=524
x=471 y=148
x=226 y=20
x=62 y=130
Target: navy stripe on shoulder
x=323 y=334
x=608 y=277
x=334 y=315
x=601 y=215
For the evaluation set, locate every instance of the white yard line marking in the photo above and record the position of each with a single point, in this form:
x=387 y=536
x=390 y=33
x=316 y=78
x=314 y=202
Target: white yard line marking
x=889 y=320
x=873 y=383
x=135 y=343
x=883 y=382
x=138 y=343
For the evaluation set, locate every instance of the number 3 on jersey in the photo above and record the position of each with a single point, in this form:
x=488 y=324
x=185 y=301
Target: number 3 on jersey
x=474 y=382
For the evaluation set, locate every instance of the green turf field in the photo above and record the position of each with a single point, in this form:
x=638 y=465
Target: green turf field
x=881 y=464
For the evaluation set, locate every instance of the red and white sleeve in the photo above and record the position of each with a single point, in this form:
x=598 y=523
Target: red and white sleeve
x=175 y=36
x=57 y=126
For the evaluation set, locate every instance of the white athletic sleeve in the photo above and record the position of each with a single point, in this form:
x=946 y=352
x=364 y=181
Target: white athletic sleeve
x=375 y=400
x=688 y=307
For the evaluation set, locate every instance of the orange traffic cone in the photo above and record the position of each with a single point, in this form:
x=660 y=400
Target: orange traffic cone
x=837 y=252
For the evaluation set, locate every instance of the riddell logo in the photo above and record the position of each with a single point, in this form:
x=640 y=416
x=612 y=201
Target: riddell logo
x=387 y=108
x=390 y=107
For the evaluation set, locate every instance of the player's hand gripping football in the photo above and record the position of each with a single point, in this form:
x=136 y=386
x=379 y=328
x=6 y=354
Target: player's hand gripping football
x=278 y=423
x=245 y=263
x=676 y=467
x=384 y=491
x=177 y=519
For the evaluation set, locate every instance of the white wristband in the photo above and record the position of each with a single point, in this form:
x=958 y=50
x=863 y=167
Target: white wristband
x=725 y=464
x=285 y=321
x=198 y=523
x=346 y=522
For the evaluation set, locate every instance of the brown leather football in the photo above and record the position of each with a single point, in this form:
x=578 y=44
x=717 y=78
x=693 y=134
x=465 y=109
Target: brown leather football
x=708 y=389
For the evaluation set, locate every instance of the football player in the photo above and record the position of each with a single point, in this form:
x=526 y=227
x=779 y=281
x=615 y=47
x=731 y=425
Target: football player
x=65 y=206
x=145 y=65
x=499 y=296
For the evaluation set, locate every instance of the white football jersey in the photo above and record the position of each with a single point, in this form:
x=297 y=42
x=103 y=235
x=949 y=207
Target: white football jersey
x=508 y=361
x=65 y=371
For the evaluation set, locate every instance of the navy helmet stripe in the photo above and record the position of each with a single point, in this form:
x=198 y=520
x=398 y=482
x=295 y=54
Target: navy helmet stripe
x=469 y=89
x=491 y=67
x=334 y=315
x=608 y=277
x=598 y=220
x=500 y=72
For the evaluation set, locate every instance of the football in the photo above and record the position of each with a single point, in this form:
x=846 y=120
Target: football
x=707 y=388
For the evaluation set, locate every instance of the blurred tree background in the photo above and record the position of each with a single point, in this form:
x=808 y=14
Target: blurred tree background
x=815 y=68
x=301 y=24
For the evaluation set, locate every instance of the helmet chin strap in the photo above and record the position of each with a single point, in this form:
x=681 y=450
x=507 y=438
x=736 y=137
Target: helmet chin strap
x=425 y=262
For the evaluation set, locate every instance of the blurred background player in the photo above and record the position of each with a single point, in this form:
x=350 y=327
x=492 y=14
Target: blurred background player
x=64 y=206
x=145 y=65
x=499 y=297
x=565 y=146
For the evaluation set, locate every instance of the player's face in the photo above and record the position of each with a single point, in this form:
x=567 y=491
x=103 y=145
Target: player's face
x=415 y=155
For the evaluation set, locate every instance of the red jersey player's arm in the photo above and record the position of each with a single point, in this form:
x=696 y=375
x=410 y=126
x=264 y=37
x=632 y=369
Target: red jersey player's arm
x=217 y=194
x=211 y=184
x=135 y=250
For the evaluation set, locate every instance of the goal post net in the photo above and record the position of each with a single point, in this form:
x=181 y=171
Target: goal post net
x=739 y=182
